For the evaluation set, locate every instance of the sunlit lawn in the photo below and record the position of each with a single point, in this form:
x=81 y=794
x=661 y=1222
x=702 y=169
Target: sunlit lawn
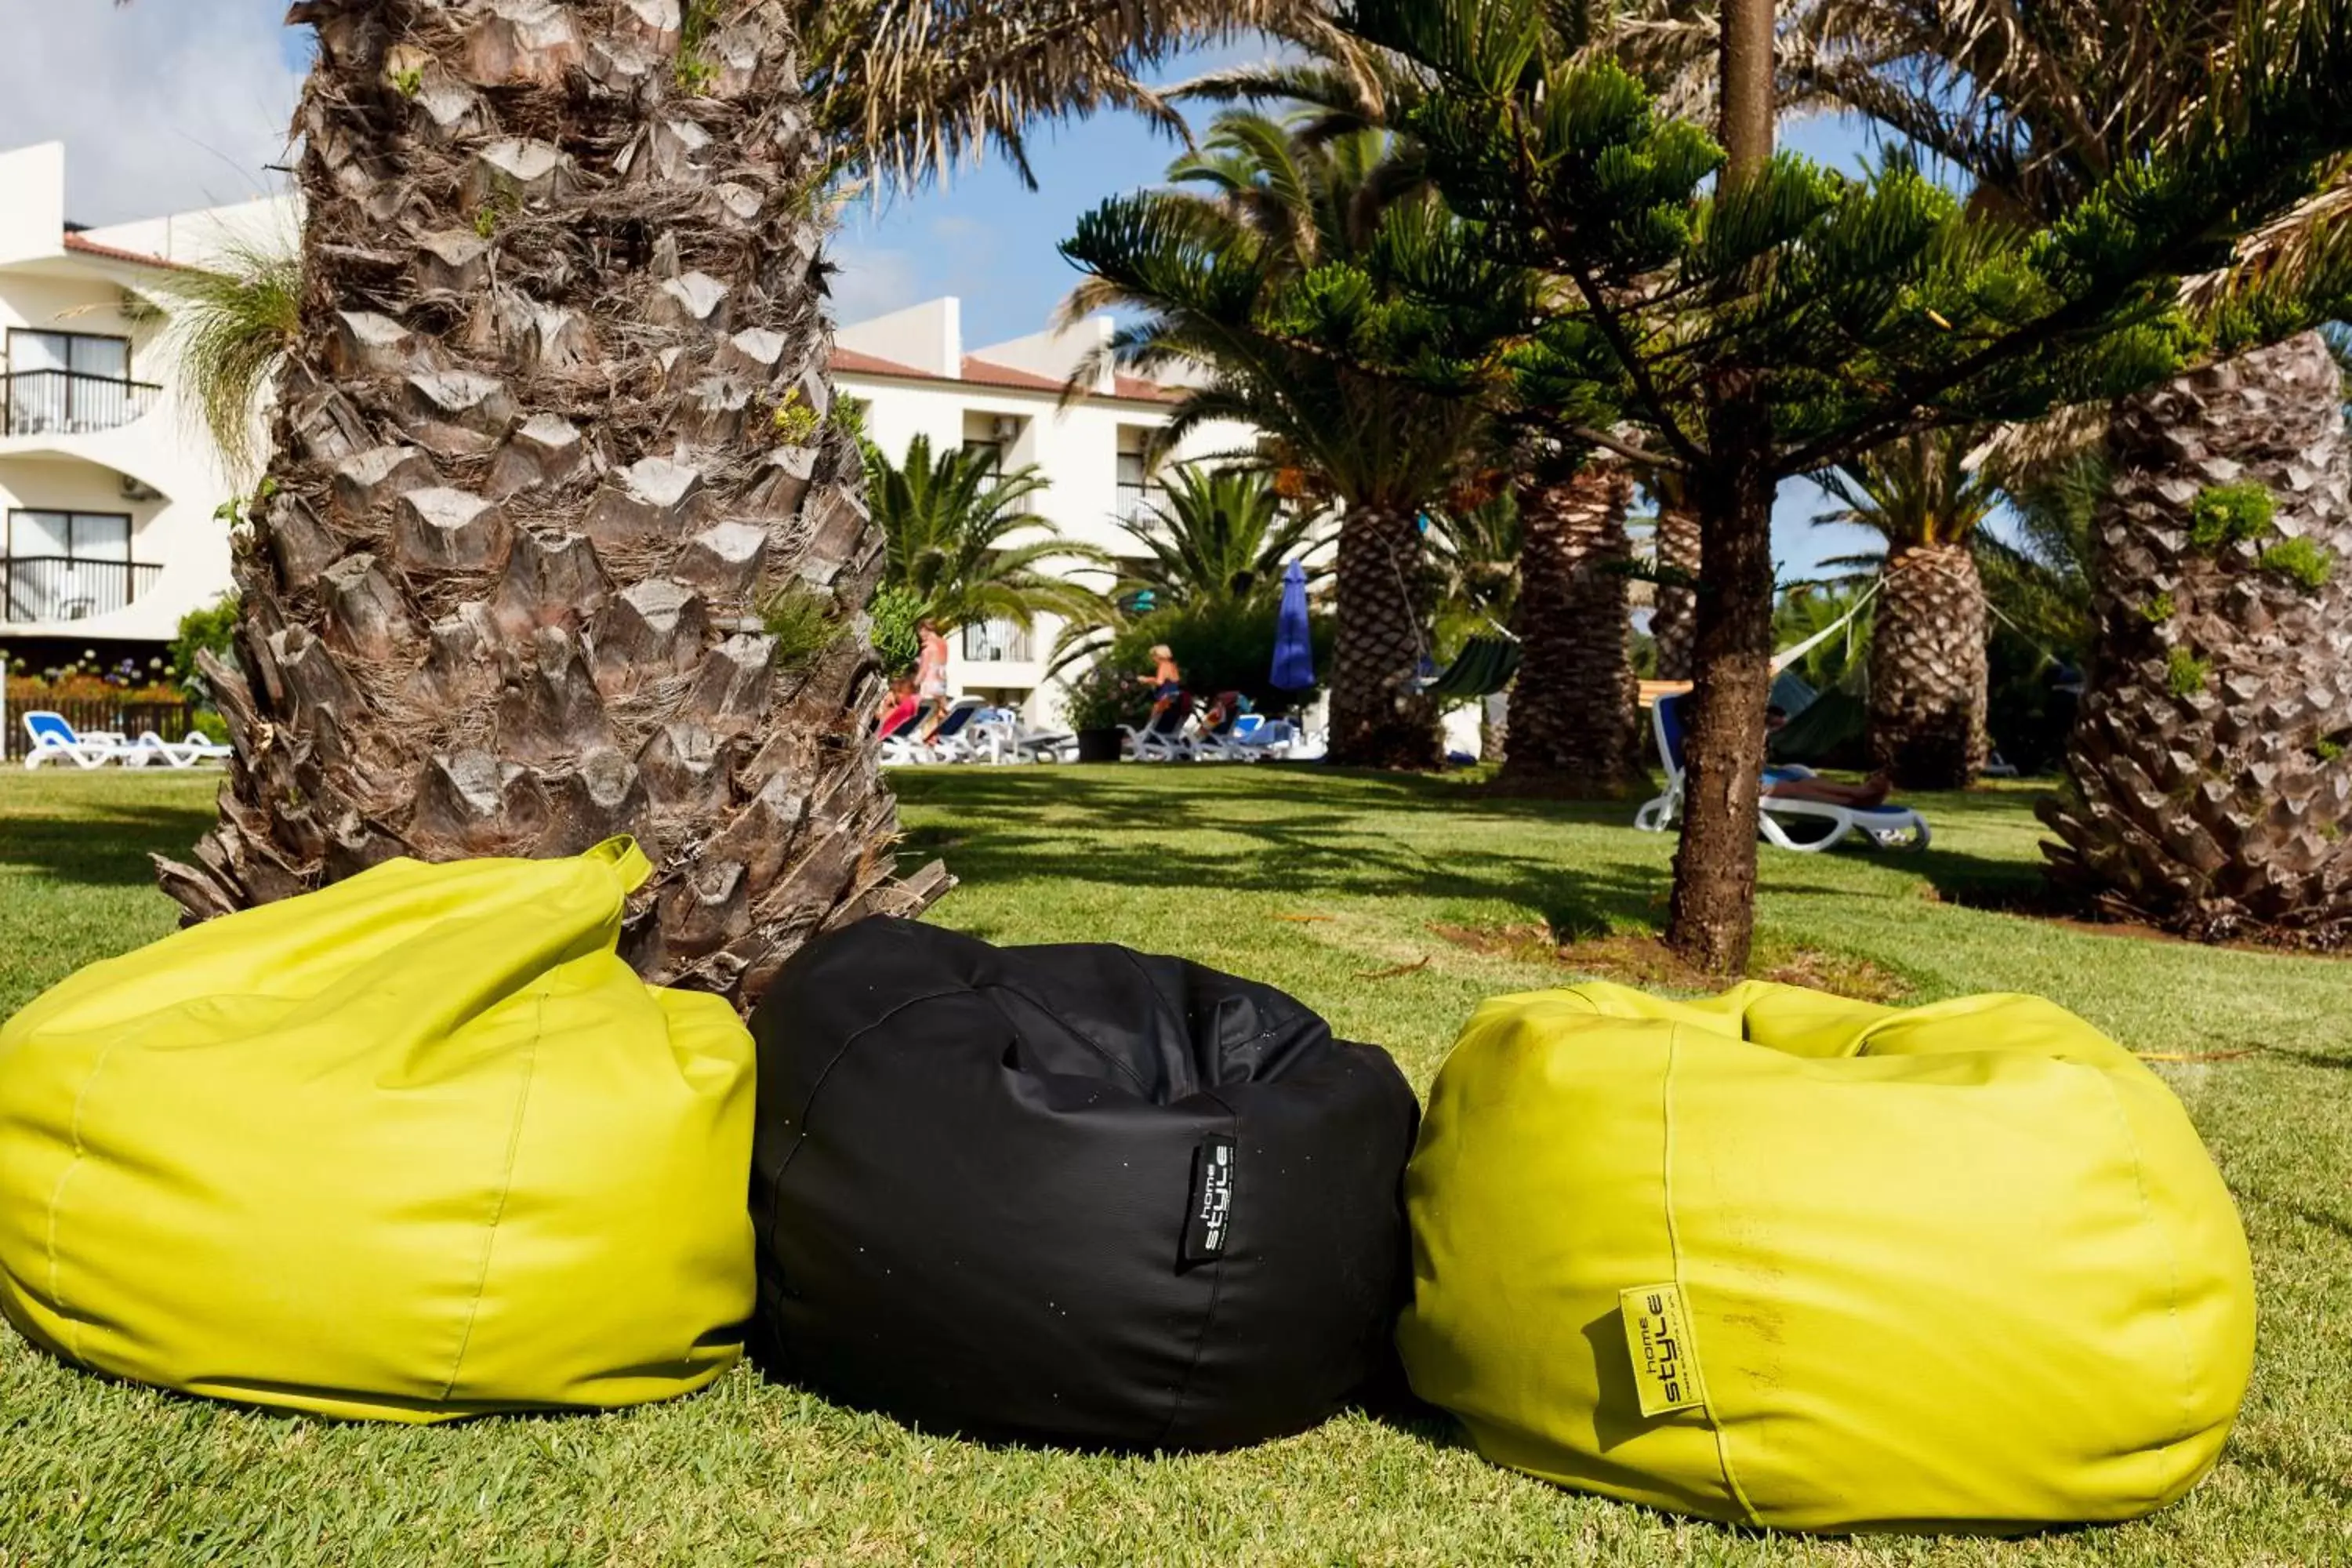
x=1330 y=887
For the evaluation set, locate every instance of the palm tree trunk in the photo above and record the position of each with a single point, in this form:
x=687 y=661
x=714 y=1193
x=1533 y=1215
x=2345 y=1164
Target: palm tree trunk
x=1674 y=620
x=1577 y=729
x=538 y=464
x=1378 y=719
x=1927 y=668
x=2209 y=776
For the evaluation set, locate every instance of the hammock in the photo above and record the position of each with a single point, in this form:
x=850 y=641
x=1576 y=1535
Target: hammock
x=1788 y=657
x=1488 y=661
x=1484 y=666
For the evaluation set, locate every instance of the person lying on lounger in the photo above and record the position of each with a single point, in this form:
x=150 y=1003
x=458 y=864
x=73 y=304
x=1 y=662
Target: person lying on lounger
x=1790 y=784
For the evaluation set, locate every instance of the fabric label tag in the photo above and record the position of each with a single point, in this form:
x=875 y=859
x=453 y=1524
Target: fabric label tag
x=1210 y=1218
x=1657 y=1336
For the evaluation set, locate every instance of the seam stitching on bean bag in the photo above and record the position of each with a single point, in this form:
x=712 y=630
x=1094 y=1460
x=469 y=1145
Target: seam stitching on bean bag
x=1085 y=1039
x=57 y=1197
x=2189 y=1425
x=506 y=1189
x=1682 y=1287
x=1174 y=1015
x=1216 y=1292
x=776 y=1186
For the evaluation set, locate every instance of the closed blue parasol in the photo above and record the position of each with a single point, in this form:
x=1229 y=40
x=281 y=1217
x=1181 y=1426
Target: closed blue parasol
x=1294 y=640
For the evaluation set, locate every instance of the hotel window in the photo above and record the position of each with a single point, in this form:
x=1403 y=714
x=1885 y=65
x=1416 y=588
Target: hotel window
x=71 y=383
x=68 y=565
x=69 y=535
x=1139 y=493
x=72 y=353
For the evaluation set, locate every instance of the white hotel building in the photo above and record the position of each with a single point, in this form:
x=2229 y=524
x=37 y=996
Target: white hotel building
x=108 y=486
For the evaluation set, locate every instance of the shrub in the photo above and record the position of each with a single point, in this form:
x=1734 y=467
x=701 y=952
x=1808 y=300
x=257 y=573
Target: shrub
x=2186 y=673
x=893 y=614
x=1107 y=696
x=2160 y=609
x=209 y=629
x=2307 y=564
x=2230 y=514
x=2027 y=712
x=1221 y=648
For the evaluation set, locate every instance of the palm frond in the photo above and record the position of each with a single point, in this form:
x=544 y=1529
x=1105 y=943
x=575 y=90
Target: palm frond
x=1920 y=489
x=1222 y=535
x=962 y=542
x=911 y=88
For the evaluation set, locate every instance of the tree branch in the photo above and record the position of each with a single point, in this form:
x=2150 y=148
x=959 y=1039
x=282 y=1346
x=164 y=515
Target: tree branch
x=1603 y=312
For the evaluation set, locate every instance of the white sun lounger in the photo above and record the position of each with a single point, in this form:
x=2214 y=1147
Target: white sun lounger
x=197 y=748
x=56 y=740
x=1806 y=826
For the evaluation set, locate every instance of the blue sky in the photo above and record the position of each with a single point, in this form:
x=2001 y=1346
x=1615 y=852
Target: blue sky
x=991 y=243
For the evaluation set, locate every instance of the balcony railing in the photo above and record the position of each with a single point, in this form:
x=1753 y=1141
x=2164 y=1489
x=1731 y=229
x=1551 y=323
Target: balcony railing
x=52 y=588
x=1138 y=503
x=68 y=403
x=998 y=642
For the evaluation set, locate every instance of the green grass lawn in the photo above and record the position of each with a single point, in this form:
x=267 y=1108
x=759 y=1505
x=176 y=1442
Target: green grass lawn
x=1329 y=887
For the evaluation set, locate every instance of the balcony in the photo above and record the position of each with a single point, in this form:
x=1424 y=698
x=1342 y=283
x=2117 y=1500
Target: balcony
x=50 y=588
x=998 y=642
x=1140 y=503
x=70 y=403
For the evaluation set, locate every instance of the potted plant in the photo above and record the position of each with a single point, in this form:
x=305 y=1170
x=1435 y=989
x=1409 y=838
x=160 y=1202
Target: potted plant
x=1105 y=698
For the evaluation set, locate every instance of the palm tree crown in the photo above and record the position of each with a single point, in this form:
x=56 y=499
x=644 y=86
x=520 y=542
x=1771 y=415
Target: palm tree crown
x=1212 y=270
x=1222 y=535
x=954 y=524
x=1918 y=490
x=1228 y=283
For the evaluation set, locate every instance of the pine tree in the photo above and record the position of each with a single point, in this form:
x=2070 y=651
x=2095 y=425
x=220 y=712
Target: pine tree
x=1788 y=318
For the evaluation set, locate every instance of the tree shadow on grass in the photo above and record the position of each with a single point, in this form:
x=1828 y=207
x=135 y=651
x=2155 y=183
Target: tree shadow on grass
x=1309 y=855
x=2306 y=1214
x=2003 y=887
x=1265 y=832
x=2317 y=1483
x=106 y=847
x=1111 y=796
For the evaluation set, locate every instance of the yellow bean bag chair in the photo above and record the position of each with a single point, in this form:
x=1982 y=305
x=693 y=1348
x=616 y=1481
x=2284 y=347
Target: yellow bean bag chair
x=1787 y=1260
x=417 y=1147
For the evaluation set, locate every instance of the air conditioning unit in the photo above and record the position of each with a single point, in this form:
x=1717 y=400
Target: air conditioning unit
x=1008 y=428
x=133 y=490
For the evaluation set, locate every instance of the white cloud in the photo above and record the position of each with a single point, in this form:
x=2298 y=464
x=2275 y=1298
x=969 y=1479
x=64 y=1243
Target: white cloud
x=163 y=105
x=872 y=281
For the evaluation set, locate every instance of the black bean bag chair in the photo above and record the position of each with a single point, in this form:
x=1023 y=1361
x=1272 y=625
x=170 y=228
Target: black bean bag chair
x=1071 y=1194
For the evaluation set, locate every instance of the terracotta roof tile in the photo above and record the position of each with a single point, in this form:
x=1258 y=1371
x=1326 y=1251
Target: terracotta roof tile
x=76 y=243
x=851 y=363
x=987 y=372
x=1142 y=391
x=984 y=372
